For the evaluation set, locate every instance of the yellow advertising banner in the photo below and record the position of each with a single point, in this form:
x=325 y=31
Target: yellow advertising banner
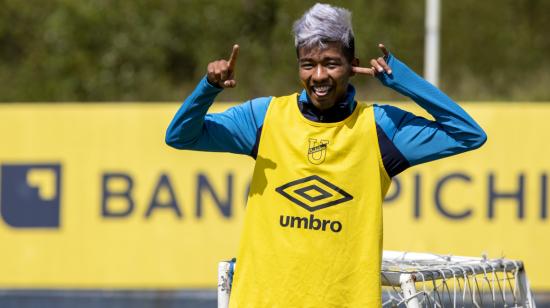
x=91 y=197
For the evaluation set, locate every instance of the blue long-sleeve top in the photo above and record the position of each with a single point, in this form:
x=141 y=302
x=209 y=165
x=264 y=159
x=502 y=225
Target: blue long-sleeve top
x=405 y=139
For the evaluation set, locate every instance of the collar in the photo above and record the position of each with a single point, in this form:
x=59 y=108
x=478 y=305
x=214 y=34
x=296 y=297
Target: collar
x=336 y=113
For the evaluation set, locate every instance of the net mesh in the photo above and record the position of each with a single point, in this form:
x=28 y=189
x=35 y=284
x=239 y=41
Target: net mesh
x=429 y=280
x=415 y=280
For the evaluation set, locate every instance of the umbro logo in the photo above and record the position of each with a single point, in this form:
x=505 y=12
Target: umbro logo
x=313 y=193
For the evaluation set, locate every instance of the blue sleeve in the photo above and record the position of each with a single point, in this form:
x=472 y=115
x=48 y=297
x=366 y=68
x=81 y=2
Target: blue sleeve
x=234 y=130
x=420 y=140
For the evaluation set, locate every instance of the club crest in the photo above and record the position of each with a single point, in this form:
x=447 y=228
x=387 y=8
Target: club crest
x=317 y=151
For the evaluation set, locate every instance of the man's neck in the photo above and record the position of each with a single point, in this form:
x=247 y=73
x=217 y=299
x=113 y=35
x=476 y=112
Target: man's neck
x=338 y=112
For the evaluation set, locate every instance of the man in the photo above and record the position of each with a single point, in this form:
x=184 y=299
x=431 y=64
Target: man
x=313 y=225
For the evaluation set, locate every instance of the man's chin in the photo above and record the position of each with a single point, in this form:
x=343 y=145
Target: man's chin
x=322 y=104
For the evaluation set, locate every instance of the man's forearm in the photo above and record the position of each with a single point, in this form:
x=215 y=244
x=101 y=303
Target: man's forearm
x=449 y=115
x=187 y=124
x=421 y=140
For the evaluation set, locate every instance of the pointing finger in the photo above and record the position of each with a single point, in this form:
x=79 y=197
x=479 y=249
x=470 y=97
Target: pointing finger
x=363 y=70
x=233 y=57
x=384 y=50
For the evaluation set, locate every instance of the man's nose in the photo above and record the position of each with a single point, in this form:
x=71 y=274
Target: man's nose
x=320 y=73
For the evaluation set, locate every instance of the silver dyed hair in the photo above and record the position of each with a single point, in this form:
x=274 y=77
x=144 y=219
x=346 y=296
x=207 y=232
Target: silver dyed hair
x=321 y=24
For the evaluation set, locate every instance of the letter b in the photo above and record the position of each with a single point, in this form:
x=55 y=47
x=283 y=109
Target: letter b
x=119 y=186
x=314 y=223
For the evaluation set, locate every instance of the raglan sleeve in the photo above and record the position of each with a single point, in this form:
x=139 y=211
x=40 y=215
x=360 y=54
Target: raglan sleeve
x=234 y=130
x=418 y=139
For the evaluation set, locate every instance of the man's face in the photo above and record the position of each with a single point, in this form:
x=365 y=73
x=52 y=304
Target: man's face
x=325 y=74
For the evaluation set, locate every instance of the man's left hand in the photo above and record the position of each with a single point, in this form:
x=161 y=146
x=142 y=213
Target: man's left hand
x=378 y=65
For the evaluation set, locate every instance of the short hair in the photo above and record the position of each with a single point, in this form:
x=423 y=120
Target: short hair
x=324 y=23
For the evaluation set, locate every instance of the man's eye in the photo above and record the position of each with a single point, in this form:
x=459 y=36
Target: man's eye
x=306 y=65
x=332 y=65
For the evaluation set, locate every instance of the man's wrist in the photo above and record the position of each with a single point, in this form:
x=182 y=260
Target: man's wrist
x=212 y=84
x=385 y=78
x=210 y=87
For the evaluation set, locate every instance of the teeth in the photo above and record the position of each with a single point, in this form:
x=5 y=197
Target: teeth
x=321 y=90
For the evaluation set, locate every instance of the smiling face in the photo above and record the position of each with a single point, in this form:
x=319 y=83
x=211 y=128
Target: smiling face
x=325 y=74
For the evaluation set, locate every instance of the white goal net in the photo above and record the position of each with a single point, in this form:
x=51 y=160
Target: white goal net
x=413 y=280
x=430 y=280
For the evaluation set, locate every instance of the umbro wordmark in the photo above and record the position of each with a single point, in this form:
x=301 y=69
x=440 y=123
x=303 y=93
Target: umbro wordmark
x=310 y=224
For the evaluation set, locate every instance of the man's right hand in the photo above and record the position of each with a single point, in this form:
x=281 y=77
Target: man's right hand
x=222 y=73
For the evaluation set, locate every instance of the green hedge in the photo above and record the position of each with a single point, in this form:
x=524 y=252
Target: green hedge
x=105 y=50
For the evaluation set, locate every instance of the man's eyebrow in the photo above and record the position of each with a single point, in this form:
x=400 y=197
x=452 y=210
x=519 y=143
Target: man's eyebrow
x=305 y=59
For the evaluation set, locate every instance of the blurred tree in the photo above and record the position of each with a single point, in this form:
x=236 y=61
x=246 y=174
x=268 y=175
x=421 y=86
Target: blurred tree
x=142 y=50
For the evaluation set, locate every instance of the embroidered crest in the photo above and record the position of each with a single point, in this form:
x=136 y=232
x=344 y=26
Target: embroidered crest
x=317 y=151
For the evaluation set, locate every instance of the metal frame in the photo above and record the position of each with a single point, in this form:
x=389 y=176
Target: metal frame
x=396 y=272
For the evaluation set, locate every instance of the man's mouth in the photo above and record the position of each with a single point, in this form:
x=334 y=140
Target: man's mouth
x=321 y=91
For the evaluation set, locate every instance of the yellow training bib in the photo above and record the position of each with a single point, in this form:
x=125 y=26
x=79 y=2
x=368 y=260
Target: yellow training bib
x=313 y=227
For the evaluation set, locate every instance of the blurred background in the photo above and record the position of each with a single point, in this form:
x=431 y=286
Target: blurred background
x=115 y=218
x=89 y=51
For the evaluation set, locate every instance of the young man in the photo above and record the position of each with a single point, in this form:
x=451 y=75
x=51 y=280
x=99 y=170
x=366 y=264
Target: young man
x=313 y=226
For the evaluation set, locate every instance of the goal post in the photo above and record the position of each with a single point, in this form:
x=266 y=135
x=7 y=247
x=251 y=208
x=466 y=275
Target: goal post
x=414 y=280
x=428 y=280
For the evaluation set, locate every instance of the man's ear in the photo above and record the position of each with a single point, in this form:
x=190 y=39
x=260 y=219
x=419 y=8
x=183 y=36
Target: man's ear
x=354 y=62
